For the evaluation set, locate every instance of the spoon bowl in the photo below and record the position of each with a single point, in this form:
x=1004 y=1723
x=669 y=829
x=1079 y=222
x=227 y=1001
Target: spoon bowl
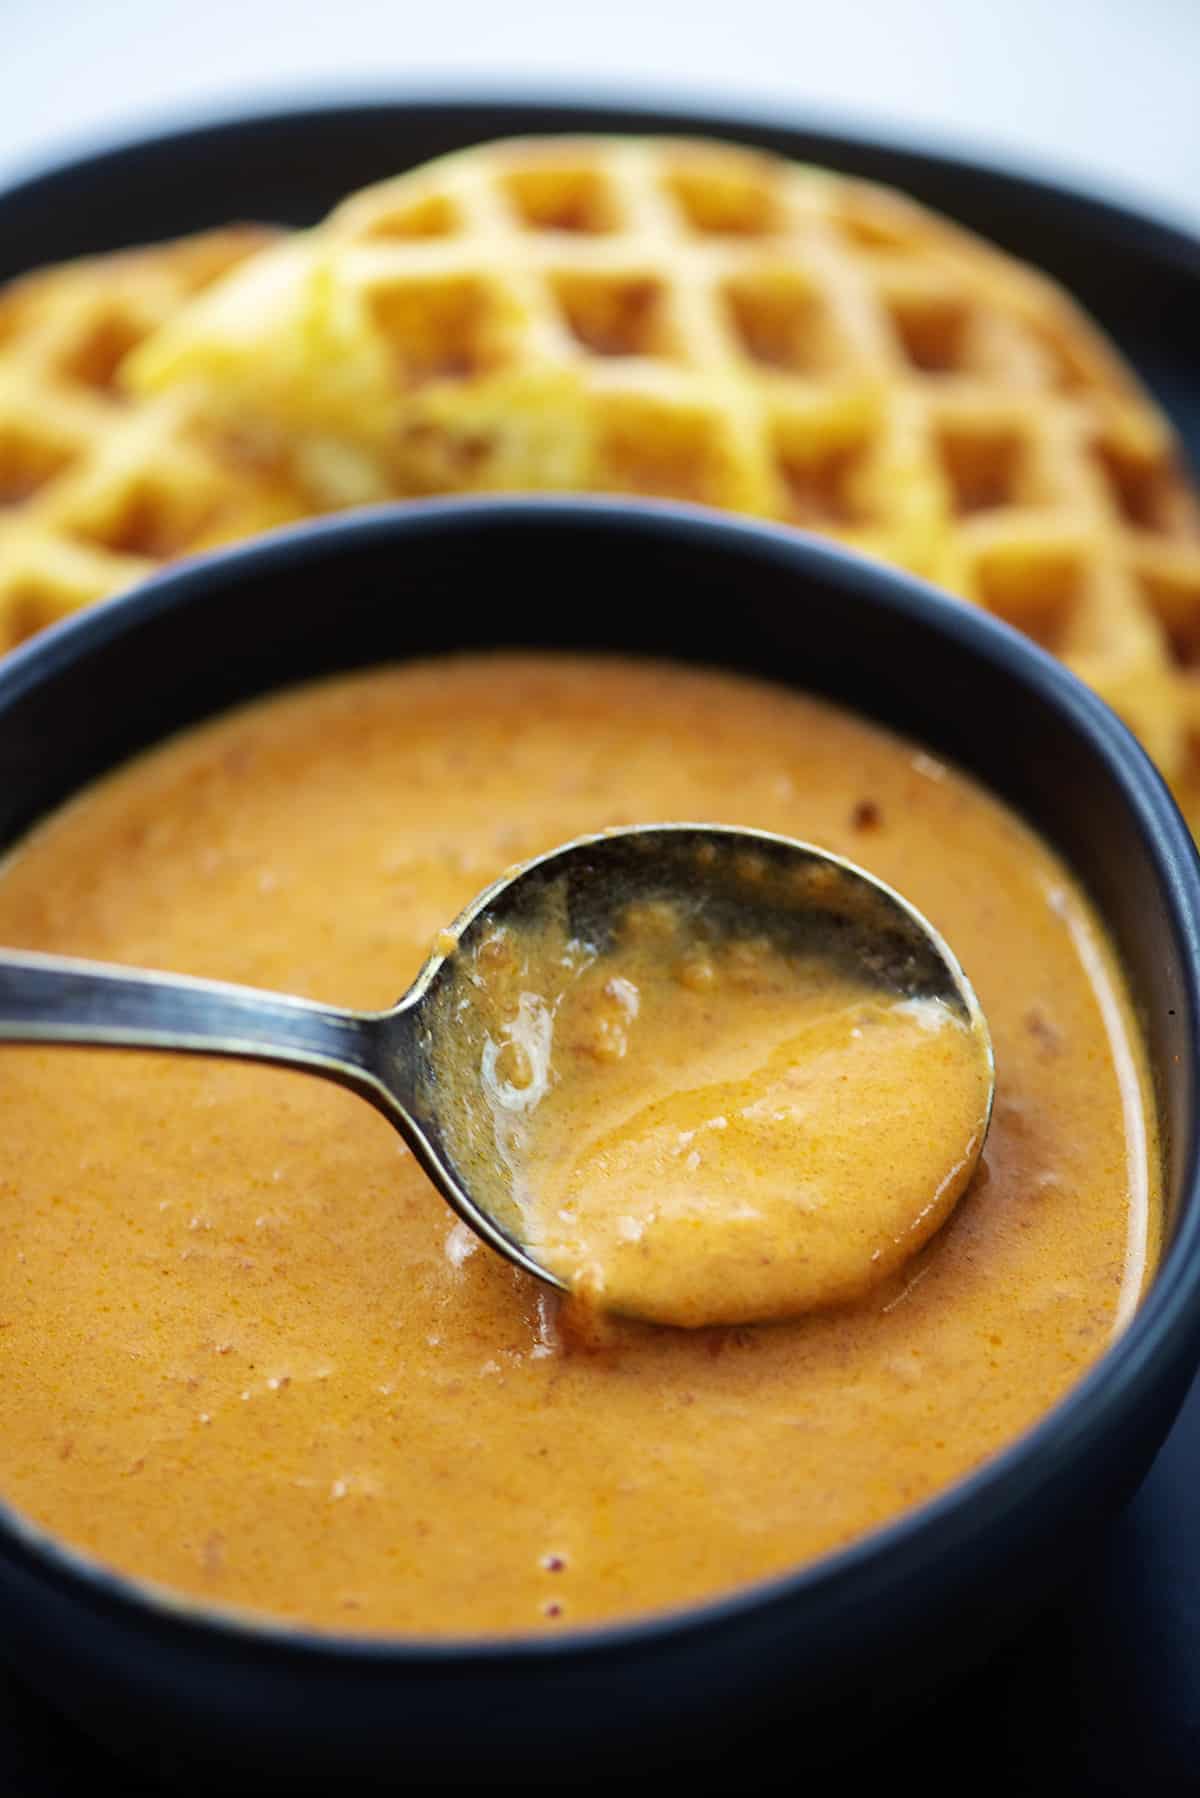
x=429 y=1063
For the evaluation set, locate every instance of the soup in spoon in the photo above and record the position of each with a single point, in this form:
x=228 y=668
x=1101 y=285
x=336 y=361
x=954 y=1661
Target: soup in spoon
x=715 y=1115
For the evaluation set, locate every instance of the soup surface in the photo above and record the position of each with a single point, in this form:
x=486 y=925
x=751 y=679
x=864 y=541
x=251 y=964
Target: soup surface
x=247 y=1351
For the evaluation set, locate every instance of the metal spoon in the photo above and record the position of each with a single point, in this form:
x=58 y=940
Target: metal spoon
x=728 y=882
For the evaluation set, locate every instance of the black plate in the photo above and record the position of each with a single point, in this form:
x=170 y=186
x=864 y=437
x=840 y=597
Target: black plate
x=1104 y=1692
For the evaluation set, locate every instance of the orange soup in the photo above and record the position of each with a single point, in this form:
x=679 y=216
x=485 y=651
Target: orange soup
x=247 y=1352
x=694 y=1123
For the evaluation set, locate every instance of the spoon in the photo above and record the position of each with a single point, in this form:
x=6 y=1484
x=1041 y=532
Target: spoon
x=728 y=882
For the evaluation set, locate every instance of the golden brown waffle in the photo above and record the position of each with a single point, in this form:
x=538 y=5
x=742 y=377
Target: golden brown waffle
x=661 y=317
x=97 y=489
x=710 y=324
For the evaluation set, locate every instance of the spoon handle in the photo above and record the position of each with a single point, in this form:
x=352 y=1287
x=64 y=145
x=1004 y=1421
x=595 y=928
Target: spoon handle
x=55 y=999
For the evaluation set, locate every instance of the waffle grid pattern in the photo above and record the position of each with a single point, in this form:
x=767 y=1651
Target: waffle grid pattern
x=647 y=317
x=96 y=490
x=804 y=348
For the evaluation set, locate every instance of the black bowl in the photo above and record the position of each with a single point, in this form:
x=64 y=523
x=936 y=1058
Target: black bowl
x=182 y=1689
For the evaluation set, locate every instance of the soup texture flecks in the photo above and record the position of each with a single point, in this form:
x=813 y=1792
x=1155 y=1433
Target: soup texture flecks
x=247 y=1352
x=695 y=1124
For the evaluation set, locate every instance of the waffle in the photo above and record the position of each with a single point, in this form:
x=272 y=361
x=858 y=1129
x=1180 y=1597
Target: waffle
x=700 y=322
x=648 y=317
x=96 y=488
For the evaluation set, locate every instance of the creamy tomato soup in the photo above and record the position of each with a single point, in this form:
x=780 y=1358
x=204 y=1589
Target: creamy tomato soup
x=696 y=1124
x=247 y=1351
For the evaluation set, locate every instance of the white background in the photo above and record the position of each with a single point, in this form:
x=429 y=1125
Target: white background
x=1104 y=92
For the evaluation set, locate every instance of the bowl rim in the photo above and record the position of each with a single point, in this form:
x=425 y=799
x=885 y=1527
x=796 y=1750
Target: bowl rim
x=1129 y=1368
